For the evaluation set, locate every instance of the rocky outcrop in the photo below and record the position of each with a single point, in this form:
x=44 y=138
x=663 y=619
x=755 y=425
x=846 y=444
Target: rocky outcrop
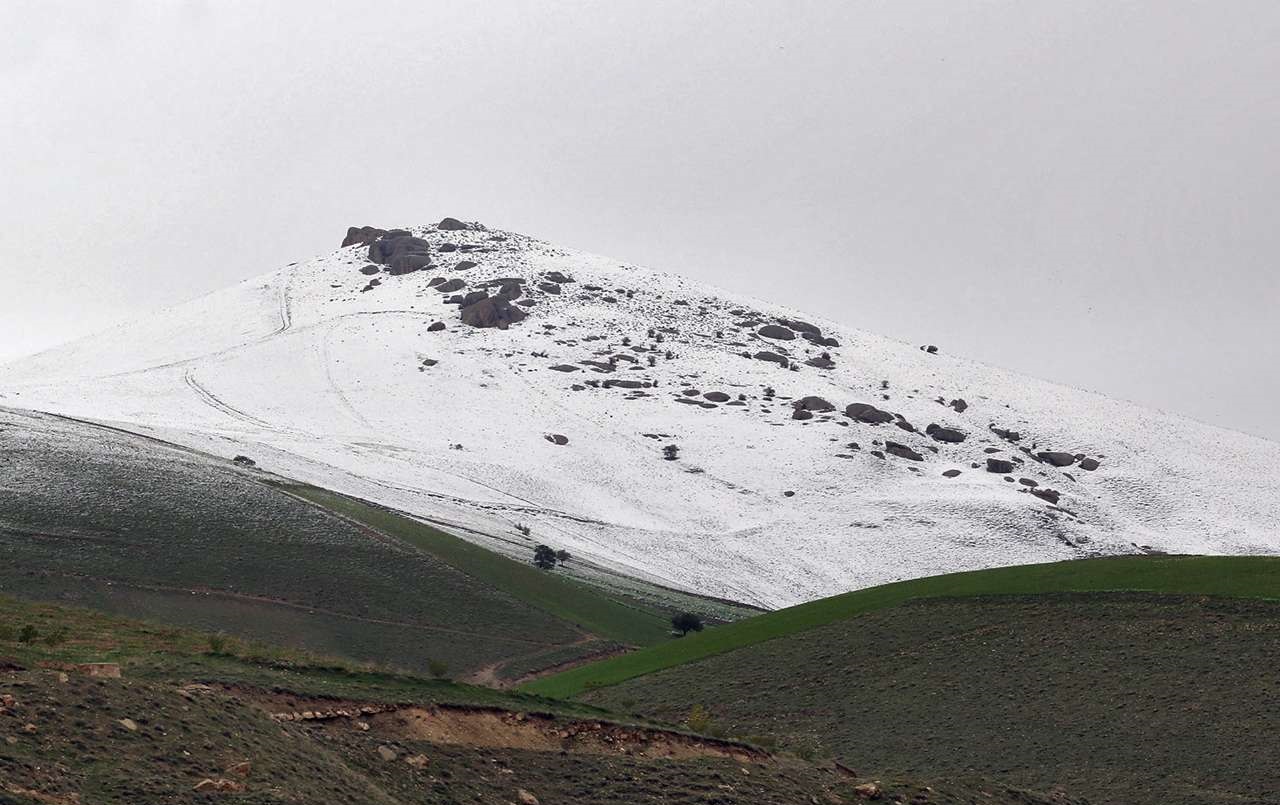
x=400 y=252
x=451 y=225
x=362 y=235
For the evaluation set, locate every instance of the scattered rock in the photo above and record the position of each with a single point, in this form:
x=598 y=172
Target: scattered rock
x=776 y=332
x=556 y=438
x=451 y=286
x=451 y=225
x=902 y=451
x=464 y=265
x=129 y=724
x=1044 y=493
x=812 y=403
x=1089 y=464
x=387 y=753
x=1028 y=482
x=557 y=277
x=716 y=396
x=240 y=769
x=492 y=311
x=1007 y=435
x=867 y=791
x=436 y=327
x=864 y=412
x=821 y=363
x=564 y=367
x=999 y=465
x=950 y=473
x=959 y=406
x=1056 y=459
x=549 y=287
x=525 y=797
x=772 y=357
x=370 y=270
x=801 y=413
x=941 y=434
x=220 y=785
x=418 y=761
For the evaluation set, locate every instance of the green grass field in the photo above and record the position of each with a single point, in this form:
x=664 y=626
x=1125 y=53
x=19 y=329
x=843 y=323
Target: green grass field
x=1245 y=577
x=192 y=707
x=562 y=597
x=1119 y=698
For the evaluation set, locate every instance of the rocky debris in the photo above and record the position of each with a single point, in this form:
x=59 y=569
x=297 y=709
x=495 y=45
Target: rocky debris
x=362 y=235
x=801 y=413
x=772 y=357
x=999 y=466
x=941 y=434
x=902 y=451
x=434 y=281
x=370 y=270
x=464 y=265
x=244 y=461
x=451 y=225
x=716 y=396
x=902 y=422
x=436 y=327
x=471 y=298
x=387 y=753
x=812 y=403
x=624 y=384
x=564 y=367
x=1045 y=493
x=776 y=332
x=821 y=363
x=1056 y=459
x=950 y=473
x=511 y=290
x=549 y=287
x=418 y=761
x=556 y=438
x=129 y=724
x=867 y=791
x=1089 y=464
x=929 y=348
x=803 y=327
x=558 y=278
x=959 y=405
x=1028 y=482
x=451 y=286
x=491 y=311
x=240 y=769
x=525 y=797
x=219 y=785
x=864 y=412
x=446 y=248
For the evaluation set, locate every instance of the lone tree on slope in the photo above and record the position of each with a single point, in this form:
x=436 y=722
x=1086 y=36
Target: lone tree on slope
x=685 y=622
x=544 y=556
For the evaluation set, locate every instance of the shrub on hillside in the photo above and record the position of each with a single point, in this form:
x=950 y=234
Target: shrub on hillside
x=544 y=556
x=685 y=622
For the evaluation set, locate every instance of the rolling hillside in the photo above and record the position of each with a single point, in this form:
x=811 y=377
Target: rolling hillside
x=655 y=428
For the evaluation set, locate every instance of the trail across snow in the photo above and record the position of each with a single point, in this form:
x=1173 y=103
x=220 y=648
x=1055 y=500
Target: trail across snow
x=321 y=381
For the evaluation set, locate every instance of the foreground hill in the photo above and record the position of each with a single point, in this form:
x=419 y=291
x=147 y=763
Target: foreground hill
x=654 y=427
x=167 y=715
x=108 y=519
x=1124 y=698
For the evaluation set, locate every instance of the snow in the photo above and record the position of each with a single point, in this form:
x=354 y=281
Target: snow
x=321 y=382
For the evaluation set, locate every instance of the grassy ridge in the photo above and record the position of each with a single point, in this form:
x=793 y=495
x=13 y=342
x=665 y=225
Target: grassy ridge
x=562 y=597
x=1245 y=577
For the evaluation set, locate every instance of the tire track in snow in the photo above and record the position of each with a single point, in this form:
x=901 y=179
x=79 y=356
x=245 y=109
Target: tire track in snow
x=212 y=401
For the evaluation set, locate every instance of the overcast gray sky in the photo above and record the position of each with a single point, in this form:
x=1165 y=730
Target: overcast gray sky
x=1086 y=192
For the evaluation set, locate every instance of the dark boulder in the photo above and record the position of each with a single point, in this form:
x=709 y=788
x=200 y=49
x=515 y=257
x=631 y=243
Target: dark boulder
x=999 y=466
x=623 y=384
x=557 y=277
x=1056 y=459
x=772 y=357
x=821 y=363
x=564 y=367
x=813 y=404
x=370 y=270
x=451 y=225
x=511 y=290
x=472 y=297
x=777 y=333
x=1089 y=464
x=407 y=263
x=904 y=424
x=1028 y=482
x=1007 y=435
x=902 y=451
x=803 y=327
x=821 y=341
x=394 y=244
x=548 y=287
x=959 y=405
x=492 y=311
x=801 y=413
x=434 y=281
x=867 y=413
x=451 y=286
x=941 y=434
x=362 y=235
x=436 y=327
x=1044 y=493
x=463 y=265
x=556 y=438
x=950 y=473
x=716 y=396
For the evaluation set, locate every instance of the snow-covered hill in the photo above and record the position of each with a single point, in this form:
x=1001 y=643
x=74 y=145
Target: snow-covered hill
x=335 y=372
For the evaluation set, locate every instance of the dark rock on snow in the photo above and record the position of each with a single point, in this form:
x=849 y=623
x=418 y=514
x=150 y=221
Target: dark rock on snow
x=902 y=451
x=867 y=413
x=436 y=327
x=773 y=357
x=451 y=225
x=1056 y=459
x=362 y=235
x=556 y=438
x=813 y=404
x=1089 y=464
x=942 y=434
x=492 y=311
x=777 y=333
x=999 y=466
